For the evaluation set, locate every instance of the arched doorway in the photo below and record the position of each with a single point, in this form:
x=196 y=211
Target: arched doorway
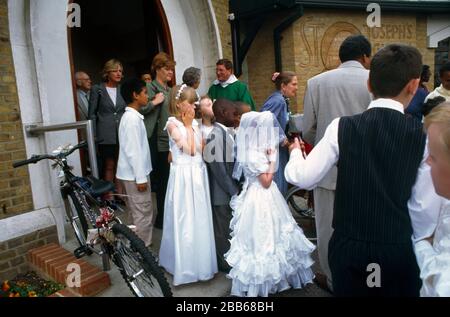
x=131 y=31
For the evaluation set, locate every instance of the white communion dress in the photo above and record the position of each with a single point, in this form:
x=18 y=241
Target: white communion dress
x=434 y=260
x=269 y=252
x=187 y=248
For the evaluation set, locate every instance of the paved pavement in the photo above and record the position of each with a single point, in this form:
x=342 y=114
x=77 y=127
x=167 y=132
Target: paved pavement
x=219 y=286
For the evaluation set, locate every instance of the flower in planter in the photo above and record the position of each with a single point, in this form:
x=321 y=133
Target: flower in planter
x=5 y=286
x=29 y=285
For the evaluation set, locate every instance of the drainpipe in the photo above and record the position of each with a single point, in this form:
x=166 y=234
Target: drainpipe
x=235 y=44
x=279 y=30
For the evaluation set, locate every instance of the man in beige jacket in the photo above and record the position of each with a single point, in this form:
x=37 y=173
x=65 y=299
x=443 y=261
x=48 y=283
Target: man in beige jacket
x=335 y=93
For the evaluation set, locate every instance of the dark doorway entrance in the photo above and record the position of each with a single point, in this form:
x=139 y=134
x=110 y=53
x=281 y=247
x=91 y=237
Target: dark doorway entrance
x=132 y=31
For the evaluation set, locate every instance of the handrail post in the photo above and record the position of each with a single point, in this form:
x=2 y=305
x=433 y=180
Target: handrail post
x=91 y=148
x=34 y=130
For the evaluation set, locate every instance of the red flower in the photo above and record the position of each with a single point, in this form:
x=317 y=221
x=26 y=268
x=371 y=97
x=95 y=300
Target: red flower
x=5 y=286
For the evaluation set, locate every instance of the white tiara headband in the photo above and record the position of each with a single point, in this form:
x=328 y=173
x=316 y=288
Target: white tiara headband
x=180 y=91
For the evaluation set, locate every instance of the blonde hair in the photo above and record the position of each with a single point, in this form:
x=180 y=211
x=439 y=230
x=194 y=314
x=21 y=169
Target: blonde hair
x=179 y=94
x=441 y=115
x=110 y=66
x=204 y=98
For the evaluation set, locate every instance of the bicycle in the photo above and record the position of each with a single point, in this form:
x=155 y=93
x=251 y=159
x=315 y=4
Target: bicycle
x=98 y=229
x=302 y=207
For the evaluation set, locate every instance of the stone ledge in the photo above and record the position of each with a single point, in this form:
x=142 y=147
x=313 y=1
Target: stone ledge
x=24 y=224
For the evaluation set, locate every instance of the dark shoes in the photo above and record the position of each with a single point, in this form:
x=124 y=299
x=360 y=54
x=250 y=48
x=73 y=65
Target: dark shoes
x=322 y=281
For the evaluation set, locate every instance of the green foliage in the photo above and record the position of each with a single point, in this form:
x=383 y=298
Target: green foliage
x=29 y=285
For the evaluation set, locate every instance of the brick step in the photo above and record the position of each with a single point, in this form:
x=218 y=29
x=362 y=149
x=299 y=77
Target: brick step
x=52 y=262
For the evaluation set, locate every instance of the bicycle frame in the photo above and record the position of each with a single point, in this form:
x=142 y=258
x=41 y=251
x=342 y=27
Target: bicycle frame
x=68 y=184
x=118 y=243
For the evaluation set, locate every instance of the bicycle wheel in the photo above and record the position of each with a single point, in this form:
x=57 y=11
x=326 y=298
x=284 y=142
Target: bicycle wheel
x=77 y=219
x=137 y=265
x=298 y=202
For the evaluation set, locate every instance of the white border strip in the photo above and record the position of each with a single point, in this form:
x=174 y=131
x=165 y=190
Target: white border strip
x=216 y=28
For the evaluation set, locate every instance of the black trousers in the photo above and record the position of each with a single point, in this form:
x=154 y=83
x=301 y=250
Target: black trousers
x=352 y=274
x=162 y=175
x=221 y=220
x=152 y=142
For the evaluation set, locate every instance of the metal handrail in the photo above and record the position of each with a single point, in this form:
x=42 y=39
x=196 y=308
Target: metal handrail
x=35 y=130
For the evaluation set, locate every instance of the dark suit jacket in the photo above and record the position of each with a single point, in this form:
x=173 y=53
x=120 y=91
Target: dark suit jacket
x=218 y=158
x=104 y=114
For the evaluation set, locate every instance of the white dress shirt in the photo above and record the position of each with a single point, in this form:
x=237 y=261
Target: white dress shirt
x=112 y=92
x=135 y=163
x=206 y=130
x=423 y=204
x=230 y=131
x=434 y=260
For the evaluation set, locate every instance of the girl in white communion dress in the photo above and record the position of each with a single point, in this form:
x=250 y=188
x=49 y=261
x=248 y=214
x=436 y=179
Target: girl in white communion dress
x=269 y=252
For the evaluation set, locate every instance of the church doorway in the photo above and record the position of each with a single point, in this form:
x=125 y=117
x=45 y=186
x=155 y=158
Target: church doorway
x=131 y=31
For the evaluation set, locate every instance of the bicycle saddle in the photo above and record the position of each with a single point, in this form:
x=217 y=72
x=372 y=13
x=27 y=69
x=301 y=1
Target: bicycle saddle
x=100 y=187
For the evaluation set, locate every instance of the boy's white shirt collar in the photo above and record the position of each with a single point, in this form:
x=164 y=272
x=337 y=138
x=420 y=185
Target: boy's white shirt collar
x=229 y=81
x=135 y=112
x=222 y=126
x=444 y=92
x=388 y=104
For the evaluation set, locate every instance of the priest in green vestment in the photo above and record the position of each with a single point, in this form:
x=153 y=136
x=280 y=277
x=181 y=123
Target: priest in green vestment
x=227 y=86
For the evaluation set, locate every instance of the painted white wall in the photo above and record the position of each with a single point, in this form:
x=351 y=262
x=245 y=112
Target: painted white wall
x=438 y=29
x=38 y=36
x=194 y=38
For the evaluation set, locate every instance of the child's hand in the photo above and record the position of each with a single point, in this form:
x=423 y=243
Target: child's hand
x=188 y=116
x=285 y=143
x=271 y=155
x=158 y=99
x=141 y=187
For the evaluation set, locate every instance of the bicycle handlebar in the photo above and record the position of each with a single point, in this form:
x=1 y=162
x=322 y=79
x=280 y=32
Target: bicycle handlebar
x=33 y=160
x=76 y=147
x=36 y=158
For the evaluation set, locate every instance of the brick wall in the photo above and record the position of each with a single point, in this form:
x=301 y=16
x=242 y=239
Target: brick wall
x=15 y=190
x=428 y=53
x=13 y=252
x=311 y=45
x=261 y=59
x=221 y=10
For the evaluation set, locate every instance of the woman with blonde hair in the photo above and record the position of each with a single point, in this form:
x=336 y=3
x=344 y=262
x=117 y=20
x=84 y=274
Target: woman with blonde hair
x=187 y=246
x=106 y=107
x=433 y=254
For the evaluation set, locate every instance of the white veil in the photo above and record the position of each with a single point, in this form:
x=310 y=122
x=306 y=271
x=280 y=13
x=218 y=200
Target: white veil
x=258 y=132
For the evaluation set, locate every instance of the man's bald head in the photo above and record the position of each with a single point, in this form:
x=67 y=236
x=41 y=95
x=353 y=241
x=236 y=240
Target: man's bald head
x=83 y=81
